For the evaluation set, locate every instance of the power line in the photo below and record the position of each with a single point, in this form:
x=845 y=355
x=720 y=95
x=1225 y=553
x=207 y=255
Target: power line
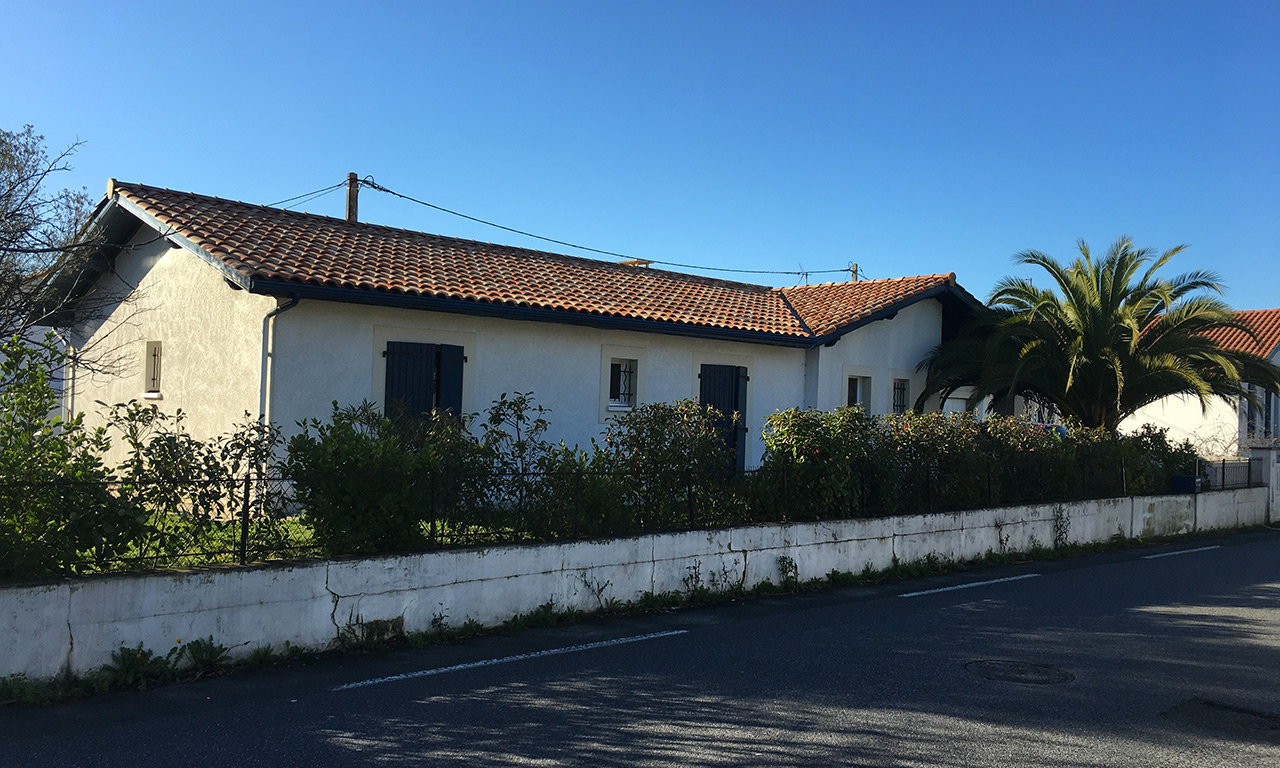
x=309 y=195
x=369 y=182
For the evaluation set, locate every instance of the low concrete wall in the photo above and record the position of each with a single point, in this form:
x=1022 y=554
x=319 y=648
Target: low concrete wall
x=72 y=627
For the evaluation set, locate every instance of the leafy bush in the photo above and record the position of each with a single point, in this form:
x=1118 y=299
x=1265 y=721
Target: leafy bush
x=56 y=512
x=844 y=463
x=579 y=495
x=815 y=464
x=674 y=464
x=368 y=483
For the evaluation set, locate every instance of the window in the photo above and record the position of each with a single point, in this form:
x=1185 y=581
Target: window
x=1261 y=420
x=724 y=388
x=151 y=381
x=422 y=378
x=858 y=392
x=622 y=380
x=901 y=395
x=622 y=383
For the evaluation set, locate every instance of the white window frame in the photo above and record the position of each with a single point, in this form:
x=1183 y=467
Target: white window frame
x=153 y=371
x=613 y=353
x=893 y=396
x=628 y=369
x=866 y=377
x=864 y=392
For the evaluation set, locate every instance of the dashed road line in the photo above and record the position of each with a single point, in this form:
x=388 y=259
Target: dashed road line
x=508 y=659
x=969 y=585
x=1181 y=552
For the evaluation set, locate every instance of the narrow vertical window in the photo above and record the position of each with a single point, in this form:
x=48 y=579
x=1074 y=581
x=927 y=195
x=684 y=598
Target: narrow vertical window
x=622 y=383
x=1251 y=415
x=1269 y=420
x=151 y=384
x=901 y=395
x=858 y=392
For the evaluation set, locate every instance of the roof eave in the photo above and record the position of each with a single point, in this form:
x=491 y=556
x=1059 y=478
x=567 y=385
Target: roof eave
x=885 y=313
x=174 y=236
x=512 y=312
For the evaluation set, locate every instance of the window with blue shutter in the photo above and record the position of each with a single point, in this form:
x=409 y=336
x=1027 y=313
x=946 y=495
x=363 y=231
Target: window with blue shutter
x=422 y=378
x=724 y=387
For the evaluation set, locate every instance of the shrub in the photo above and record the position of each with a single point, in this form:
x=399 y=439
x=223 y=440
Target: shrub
x=674 y=464
x=56 y=513
x=367 y=483
x=579 y=495
x=815 y=464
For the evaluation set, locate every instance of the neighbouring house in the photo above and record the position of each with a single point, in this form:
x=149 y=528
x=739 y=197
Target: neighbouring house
x=1226 y=429
x=241 y=308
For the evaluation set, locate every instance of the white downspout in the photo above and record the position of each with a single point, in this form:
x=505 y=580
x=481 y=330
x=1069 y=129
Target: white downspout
x=264 y=399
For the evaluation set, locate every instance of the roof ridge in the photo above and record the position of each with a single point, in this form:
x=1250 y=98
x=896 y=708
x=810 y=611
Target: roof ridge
x=947 y=275
x=632 y=269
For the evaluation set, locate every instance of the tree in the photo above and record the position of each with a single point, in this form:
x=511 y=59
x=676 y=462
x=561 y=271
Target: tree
x=42 y=245
x=50 y=256
x=1112 y=338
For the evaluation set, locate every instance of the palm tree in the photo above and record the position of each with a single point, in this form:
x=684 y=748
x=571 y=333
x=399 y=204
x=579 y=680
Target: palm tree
x=1111 y=339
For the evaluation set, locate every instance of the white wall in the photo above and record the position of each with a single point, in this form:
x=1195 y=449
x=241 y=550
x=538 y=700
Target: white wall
x=1215 y=432
x=73 y=626
x=211 y=337
x=883 y=351
x=328 y=351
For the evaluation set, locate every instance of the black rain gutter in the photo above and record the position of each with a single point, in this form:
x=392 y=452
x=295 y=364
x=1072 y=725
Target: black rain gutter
x=509 y=312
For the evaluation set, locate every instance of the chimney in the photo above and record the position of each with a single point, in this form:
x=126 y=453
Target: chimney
x=353 y=198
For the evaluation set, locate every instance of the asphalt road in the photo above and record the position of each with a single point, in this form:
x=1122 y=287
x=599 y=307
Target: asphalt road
x=1117 y=660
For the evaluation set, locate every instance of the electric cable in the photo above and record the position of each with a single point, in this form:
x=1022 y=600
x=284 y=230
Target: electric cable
x=308 y=195
x=369 y=182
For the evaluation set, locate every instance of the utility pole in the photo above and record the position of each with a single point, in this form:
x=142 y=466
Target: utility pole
x=353 y=198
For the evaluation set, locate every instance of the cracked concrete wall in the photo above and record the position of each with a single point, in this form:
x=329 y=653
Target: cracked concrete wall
x=72 y=627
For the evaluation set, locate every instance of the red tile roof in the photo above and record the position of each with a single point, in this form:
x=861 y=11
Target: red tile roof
x=1265 y=323
x=830 y=306
x=270 y=244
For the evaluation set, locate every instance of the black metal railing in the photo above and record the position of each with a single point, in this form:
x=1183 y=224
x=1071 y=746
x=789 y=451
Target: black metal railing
x=68 y=527
x=1229 y=474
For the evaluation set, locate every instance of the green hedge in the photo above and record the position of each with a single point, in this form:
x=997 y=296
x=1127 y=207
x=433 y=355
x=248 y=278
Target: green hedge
x=362 y=482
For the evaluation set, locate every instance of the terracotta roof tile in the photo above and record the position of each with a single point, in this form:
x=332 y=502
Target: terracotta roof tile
x=830 y=306
x=1265 y=323
x=264 y=243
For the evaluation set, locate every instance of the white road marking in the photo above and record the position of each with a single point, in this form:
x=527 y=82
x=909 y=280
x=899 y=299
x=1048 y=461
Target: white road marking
x=969 y=585
x=509 y=659
x=1181 y=552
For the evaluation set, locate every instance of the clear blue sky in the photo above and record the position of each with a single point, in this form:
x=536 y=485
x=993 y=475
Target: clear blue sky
x=911 y=138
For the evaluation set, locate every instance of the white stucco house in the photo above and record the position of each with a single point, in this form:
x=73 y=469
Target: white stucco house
x=243 y=308
x=1225 y=429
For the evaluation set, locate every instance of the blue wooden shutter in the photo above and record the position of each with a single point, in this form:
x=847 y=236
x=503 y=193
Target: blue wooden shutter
x=740 y=405
x=615 y=380
x=411 y=378
x=724 y=387
x=449 y=391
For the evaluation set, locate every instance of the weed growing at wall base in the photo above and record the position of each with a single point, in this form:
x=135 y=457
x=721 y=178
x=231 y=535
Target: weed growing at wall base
x=138 y=668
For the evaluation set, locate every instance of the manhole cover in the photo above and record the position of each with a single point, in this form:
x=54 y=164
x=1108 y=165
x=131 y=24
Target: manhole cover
x=1249 y=723
x=1020 y=672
